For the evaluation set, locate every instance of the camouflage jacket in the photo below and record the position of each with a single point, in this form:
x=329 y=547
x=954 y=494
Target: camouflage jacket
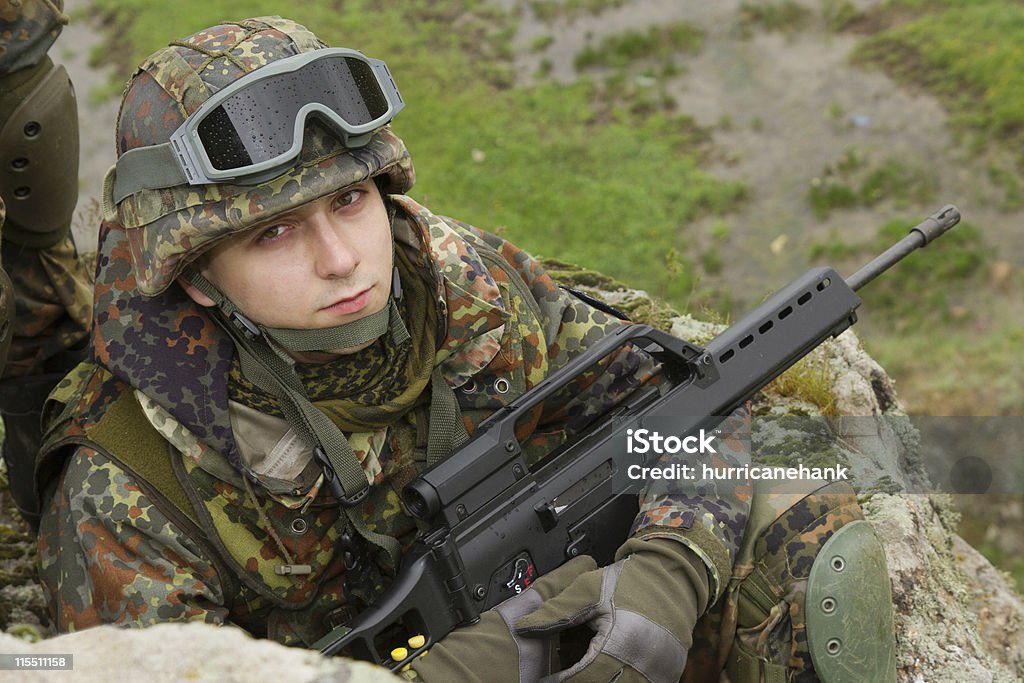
x=27 y=30
x=112 y=550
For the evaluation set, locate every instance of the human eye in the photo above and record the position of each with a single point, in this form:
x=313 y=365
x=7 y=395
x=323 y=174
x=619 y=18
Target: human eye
x=348 y=198
x=271 y=233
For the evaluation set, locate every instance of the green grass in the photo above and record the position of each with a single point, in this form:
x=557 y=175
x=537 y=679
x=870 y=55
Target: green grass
x=780 y=16
x=951 y=370
x=548 y=10
x=839 y=14
x=828 y=195
x=970 y=54
x=542 y=42
x=602 y=179
x=808 y=380
x=1010 y=563
x=917 y=292
x=896 y=181
x=854 y=182
x=659 y=42
x=1011 y=185
x=920 y=286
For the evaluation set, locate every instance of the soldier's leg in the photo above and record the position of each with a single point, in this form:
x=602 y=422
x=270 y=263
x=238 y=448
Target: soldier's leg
x=6 y=304
x=39 y=183
x=809 y=599
x=49 y=325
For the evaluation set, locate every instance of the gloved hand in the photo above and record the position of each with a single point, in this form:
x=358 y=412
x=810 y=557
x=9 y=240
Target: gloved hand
x=489 y=650
x=642 y=609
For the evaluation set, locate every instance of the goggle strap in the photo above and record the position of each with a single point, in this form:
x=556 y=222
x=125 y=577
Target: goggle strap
x=147 y=168
x=447 y=431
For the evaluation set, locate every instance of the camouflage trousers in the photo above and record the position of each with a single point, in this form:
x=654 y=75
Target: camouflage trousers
x=52 y=306
x=757 y=629
x=52 y=292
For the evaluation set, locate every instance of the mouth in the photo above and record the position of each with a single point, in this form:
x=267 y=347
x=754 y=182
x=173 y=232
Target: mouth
x=351 y=304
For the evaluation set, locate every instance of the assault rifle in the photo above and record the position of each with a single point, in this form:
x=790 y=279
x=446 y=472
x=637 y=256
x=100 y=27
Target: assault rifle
x=496 y=524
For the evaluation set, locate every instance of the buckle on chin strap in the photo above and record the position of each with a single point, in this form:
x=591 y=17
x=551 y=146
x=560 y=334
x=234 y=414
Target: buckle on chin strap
x=247 y=325
x=331 y=477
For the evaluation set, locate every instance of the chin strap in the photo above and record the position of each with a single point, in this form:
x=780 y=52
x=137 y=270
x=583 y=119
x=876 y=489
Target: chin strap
x=355 y=333
x=264 y=360
x=262 y=353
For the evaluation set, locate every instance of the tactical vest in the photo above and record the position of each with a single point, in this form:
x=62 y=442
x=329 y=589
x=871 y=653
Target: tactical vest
x=340 y=572
x=808 y=600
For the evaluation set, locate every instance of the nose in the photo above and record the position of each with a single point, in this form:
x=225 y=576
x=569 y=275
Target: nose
x=334 y=256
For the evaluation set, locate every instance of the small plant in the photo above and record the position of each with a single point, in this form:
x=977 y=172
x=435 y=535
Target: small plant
x=541 y=43
x=712 y=261
x=894 y=180
x=720 y=230
x=678 y=281
x=850 y=162
x=623 y=49
x=784 y=16
x=1010 y=183
x=827 y=194
x=835 y=249
x=548 y=10
x=839 y=15
x=808 y=380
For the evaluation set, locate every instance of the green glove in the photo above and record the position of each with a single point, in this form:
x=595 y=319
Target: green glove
x=489 y=650
x=642 y=610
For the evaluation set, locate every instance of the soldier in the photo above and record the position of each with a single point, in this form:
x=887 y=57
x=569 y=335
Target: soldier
x=46 y=320
x=283 y=339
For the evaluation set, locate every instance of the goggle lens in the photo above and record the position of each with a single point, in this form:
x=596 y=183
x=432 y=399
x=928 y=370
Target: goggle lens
x=257 y=123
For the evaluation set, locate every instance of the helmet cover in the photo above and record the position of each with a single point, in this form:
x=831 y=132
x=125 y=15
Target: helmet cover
x=168 y=227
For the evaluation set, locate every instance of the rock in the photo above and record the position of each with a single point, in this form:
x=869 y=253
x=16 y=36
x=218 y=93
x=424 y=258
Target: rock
x=957 y=619
x=948 y=598
x=171 y=653
x=697 y=331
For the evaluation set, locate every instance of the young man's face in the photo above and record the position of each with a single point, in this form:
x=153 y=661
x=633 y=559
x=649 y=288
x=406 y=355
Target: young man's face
x=324 y=264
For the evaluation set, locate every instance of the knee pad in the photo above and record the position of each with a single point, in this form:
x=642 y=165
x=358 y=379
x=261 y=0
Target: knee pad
x=850 y=617
x=810 y=596
x=38 y=154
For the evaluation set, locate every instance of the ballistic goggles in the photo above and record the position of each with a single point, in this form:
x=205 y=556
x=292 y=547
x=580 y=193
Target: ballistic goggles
x=251 y=130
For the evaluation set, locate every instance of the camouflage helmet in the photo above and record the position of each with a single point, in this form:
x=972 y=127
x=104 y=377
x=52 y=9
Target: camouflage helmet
x=168 y=227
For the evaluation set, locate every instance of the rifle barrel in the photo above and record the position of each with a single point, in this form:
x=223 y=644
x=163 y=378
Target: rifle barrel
x=920 y=235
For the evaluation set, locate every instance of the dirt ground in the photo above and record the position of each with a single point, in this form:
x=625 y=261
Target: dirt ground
x=782 y=107
x=96 y=116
